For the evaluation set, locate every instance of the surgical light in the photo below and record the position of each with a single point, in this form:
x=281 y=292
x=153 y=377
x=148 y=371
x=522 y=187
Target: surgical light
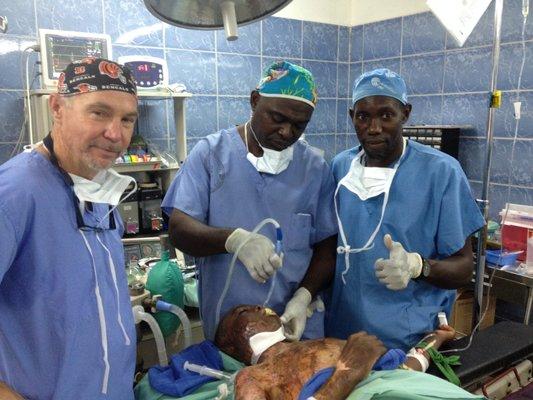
x=213 y=14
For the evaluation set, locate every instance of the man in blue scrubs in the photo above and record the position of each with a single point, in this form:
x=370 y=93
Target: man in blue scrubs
x=234 y=179
x=405 y=214
x=66 y=326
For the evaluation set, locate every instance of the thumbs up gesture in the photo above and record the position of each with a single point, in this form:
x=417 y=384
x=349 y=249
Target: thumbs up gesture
x=401 y=266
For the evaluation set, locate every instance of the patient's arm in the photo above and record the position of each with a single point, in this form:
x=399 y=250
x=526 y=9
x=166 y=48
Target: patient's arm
x=6 y=393
x=248 y=387
x=359 y=354
x=435 y=340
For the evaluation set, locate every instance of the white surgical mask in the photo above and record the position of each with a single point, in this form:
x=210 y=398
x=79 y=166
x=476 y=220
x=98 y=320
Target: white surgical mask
x=272 y=162
x=365 y=182
x=106 y=187
x=260 y=342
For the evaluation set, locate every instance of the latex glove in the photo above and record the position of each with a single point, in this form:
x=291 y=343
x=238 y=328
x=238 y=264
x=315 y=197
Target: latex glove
x=258 y=253
x=401 y=266
x=295 y=315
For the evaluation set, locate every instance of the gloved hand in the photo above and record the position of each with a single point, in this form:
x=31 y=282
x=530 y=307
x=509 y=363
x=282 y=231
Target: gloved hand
x=295 y=315
x=399 y=268
x=257 y=254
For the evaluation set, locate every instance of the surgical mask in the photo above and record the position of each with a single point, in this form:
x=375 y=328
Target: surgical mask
x=272 y=162
x=365 y=184
x=106 y=187
x=260 y=342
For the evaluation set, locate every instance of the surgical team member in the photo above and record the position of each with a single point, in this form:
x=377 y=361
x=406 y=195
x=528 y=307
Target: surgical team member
x=405 y=214
x=234 y=179
x=66 y=326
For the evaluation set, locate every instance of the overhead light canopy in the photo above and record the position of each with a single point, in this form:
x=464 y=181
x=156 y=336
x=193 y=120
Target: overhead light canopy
x=213 y=14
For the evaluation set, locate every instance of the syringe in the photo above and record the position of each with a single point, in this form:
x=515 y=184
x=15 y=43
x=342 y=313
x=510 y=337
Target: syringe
x=206 y=371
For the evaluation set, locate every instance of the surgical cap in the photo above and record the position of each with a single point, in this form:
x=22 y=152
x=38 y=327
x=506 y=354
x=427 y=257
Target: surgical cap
x=286 y=80
x=94 y=74
x=379 y=82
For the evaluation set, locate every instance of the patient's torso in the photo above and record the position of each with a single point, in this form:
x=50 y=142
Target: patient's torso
x=283 y=372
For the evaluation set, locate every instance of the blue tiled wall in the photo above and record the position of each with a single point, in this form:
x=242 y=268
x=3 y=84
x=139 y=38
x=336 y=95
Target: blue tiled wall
x=219 y=73
x=447 y=84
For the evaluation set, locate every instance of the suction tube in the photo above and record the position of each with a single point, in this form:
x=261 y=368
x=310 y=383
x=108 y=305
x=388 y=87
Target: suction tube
x=178 y=312
x=279 y=238
x=140 y=315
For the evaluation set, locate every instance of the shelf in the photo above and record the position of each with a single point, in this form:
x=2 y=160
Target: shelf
x=142 y=167
x=511 y=275
x=155 y=95
x=142 y=238
x=439 y=127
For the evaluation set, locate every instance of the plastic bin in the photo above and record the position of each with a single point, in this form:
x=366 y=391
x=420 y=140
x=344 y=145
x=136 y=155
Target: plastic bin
x=501 y=258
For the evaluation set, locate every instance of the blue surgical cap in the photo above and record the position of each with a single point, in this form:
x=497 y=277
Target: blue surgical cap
x=286 y=80
x=379 y=82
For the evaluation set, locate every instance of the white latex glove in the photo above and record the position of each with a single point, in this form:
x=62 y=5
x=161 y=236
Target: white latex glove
x=295 y=315
x=257 y=254
x=401 y=266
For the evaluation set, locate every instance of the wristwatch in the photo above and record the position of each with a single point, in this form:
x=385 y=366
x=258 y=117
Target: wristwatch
x=426 y=268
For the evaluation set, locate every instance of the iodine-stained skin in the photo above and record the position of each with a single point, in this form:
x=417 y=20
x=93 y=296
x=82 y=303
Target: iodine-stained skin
x=283 y=369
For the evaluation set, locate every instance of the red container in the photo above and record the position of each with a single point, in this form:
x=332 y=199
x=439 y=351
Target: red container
x=517 y=227
x=515 y=238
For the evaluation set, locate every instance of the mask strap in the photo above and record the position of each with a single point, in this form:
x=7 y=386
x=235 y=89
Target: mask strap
x=346 y=249
x=101 y=317
x=114 y=276
x=254 y=135
x=246 y=136
x=111 y=209
x=48 y=143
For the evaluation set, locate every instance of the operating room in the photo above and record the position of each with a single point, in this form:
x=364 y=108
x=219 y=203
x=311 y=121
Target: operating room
x=300 y=199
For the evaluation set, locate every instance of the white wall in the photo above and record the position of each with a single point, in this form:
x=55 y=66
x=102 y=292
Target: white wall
x=351 y=12
x=365 y=11
x=335 y=12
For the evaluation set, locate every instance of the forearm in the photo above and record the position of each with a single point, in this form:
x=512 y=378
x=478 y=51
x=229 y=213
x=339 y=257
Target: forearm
x=359 y=354
x=321 y=269
x=430 y=341
x=6 y=393
x=196 y=238
x=248 y=387
x=340 y=385
x=452 y=272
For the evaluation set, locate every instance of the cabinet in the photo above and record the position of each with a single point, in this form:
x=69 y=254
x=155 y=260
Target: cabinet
x=441 y=137
x=159 y=171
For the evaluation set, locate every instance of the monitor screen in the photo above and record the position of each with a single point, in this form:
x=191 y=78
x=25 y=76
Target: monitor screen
x=59 y=48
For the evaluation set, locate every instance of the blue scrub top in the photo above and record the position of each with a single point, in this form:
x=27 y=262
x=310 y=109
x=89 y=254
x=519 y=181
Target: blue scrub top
x=218 y=186
x=50 y=338
x=430 y=211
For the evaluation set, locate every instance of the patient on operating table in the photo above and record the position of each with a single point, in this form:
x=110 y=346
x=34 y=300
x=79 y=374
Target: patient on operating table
x=253 y=335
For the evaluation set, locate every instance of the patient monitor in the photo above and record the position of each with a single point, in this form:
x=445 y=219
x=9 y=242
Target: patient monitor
x=60 y=48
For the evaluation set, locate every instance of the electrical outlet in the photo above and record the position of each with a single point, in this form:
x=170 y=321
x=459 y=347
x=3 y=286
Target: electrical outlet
x=3 y=24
